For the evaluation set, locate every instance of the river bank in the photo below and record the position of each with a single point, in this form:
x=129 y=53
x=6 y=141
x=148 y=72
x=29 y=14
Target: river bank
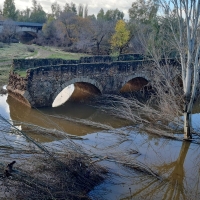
x=85 y=153
x=129 y=157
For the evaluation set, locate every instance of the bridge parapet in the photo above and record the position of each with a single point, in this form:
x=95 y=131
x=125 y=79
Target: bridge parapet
x=32 y=63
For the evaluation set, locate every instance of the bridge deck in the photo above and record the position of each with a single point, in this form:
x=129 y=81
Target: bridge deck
x=23 y=24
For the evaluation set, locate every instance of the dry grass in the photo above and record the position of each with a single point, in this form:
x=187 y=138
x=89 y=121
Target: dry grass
x=58 y=170
x=65 y=177
x=160 y=113
x=44 y=172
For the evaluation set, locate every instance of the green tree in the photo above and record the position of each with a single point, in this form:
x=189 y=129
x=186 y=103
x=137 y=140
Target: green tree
x=113 y=15
x=86 y=11
x=24 y=16
x=1 y=11
x=80 y=10
x=121 y=36
x=110 y=15
x=1 y=14
x=48 y=28
x=144 y=11
x=70 y=8
x=55 y=9
x=100 y=14
x=9 y=10
x=37 y=14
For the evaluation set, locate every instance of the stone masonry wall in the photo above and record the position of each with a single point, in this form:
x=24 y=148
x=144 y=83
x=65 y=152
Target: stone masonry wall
x=32 y=63
x=42 y=84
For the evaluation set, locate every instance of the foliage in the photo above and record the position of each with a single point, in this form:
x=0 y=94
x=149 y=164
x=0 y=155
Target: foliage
x=121 y=37
x=30 y=49
x=144 y=11
x=9 y=10
x=55 y=10
x=100 y=15
x=34 y=14
x=48 y=28
x=70 y=8
x=110 y=15
x=37 y=14
x=24 y=15
x=114 y=15
x=80 y=10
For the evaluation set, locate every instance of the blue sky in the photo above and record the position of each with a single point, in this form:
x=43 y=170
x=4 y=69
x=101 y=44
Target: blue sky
x=93 y=5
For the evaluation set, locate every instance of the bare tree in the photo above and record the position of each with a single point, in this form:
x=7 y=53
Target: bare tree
x=101 y=32
x=187 y=40
x=8 y=31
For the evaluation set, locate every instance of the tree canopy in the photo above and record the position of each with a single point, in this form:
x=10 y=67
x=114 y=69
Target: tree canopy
x=9 y=10
x=110 y=15
x=121 y=36
x=143 y=10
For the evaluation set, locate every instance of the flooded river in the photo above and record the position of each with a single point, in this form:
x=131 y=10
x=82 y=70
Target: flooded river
x=176 y=162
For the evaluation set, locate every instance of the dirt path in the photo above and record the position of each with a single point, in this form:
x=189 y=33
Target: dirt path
x=41 y=53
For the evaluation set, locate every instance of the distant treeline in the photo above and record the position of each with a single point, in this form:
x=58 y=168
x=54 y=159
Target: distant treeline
x=71 y=28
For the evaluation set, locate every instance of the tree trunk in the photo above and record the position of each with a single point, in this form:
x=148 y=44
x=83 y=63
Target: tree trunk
x=187 y=125
x=120 y=50
x=98 y=48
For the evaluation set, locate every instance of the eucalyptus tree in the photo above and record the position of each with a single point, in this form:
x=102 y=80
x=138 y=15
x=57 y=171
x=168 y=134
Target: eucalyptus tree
x=186 y=38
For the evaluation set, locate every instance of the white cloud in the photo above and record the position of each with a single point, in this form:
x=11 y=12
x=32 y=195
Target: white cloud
x=93 y=5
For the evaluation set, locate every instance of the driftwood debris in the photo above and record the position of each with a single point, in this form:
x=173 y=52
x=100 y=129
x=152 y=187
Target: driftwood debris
x=9 y=169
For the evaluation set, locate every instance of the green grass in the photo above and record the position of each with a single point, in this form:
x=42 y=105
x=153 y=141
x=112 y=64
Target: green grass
x=20 y=51
x=67 y=56
x=21 y=72
x=4 y=73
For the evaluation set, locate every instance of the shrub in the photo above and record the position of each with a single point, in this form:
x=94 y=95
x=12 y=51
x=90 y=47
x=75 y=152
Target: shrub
x=1 y=45
x=30 y=49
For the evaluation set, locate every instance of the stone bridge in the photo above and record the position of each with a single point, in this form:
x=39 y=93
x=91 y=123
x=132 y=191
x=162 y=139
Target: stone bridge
x=46 y=78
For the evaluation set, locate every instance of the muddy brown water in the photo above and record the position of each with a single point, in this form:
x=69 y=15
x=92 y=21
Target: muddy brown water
x=177 y=162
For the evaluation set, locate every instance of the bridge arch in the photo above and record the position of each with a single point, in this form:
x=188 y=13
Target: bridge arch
x=129 y=83
x=78 y=80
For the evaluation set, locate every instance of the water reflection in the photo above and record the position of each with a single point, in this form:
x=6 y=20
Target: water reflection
x=4 y=107
x=63 y=96
x=176 y=162
x=173 y=187
x=44 y=116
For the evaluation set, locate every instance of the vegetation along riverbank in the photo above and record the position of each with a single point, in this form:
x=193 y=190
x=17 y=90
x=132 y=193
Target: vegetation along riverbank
x=137 y=138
